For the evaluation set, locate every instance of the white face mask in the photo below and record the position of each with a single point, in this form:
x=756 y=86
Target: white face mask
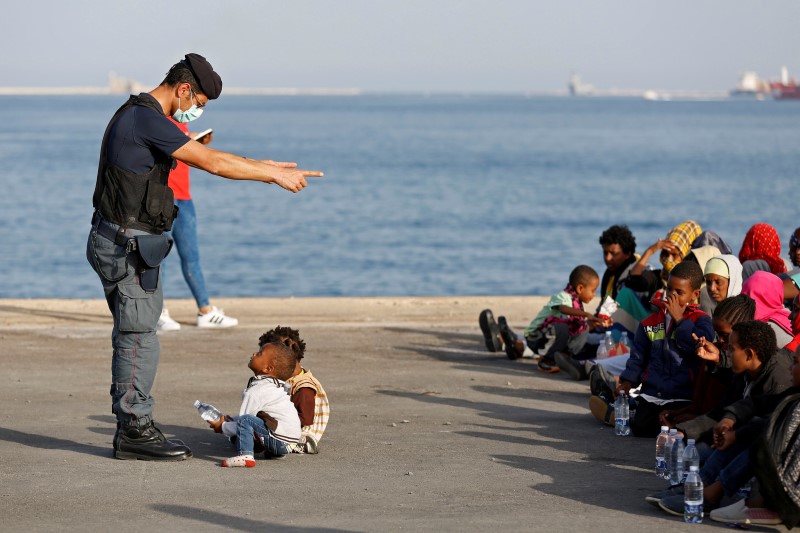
x=190 y=114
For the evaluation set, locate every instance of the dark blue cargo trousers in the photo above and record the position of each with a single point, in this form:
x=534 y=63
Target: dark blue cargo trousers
x=135 y=345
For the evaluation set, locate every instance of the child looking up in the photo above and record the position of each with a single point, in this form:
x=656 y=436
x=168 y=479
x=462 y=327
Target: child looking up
x=266 y=409
x=663 y=358
x=563 y=318
x=307 y=394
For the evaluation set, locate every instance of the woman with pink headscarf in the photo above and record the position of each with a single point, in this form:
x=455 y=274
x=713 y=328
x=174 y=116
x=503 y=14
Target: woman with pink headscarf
x=761 y=250
x=767 y=291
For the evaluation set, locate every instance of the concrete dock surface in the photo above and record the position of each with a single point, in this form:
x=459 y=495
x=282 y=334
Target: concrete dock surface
x=428 y=430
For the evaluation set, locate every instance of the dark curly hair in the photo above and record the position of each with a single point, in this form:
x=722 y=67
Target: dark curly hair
x=284 y=359
x=690 y=271
x=285 y=335
x=758 y=336
x=619 y=234
x=582 y=275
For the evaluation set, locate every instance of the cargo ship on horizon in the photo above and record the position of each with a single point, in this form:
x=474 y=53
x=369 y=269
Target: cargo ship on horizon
x=785 y=89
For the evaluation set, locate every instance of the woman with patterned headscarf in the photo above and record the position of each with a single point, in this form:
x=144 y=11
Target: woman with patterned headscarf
x=673 y=248
x=761 y=250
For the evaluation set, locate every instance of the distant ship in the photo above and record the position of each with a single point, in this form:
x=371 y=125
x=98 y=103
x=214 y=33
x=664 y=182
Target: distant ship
x=786 y=89
x=578 y=88
x=751 y=86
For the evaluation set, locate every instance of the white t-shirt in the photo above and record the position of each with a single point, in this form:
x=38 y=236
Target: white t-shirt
x=269 y=394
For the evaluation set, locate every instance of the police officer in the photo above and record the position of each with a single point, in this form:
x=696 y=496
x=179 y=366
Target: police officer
x=133 y=207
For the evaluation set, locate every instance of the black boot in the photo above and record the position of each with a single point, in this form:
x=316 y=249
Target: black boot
x=509 y=338
x=148 y=444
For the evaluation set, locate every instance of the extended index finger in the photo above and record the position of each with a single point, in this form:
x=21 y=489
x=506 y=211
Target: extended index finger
x=311 y=173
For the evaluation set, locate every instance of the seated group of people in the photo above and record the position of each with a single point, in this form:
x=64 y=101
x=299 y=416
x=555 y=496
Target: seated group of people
x=713 y=355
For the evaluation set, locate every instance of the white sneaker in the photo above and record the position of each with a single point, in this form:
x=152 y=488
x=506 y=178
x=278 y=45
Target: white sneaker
x=165 y=322
x=215 y=319
x=740 y=513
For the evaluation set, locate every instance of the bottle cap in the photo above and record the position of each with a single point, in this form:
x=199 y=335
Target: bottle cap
x=690 y=441
x=664 y=428
x=693 y=468
x=197 y=403
x=673 y=431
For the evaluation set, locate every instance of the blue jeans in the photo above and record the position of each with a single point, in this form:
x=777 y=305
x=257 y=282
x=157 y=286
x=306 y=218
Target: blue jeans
x=732 y=467
x=184 y=232
x=246 y=426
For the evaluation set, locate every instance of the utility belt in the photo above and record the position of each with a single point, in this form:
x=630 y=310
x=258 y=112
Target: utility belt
x=150 y=250
x=118 y=236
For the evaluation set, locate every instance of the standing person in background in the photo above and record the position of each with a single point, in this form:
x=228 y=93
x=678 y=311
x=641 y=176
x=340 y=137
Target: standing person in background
x=126 y=243
x=184 y=232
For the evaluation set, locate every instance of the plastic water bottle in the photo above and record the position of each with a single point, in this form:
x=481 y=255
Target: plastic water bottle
x=608 y=340
x=676 y=463
x=207 y=411
x=668 y=452
x=661 y=444
x=691 y=458
x=624 y=343
x=602 y=351
x=622 y=422
x=693 y=497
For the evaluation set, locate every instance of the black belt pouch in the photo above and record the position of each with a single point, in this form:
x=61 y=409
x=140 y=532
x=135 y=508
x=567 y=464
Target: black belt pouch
x=152 y=250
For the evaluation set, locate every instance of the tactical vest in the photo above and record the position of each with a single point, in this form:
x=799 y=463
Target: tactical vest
x=139 y=201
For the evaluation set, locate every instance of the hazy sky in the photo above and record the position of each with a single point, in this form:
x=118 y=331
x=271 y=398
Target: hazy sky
x=417 y=45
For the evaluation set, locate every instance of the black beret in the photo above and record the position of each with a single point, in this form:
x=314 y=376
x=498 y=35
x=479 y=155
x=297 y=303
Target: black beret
x=208 y=80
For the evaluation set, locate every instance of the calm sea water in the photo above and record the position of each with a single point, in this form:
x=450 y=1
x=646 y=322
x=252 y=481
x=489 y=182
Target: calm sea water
x=440 y=195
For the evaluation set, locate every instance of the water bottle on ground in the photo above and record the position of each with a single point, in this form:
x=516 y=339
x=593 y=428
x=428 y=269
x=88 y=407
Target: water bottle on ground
x=661 y=444
x=668 y=452
x=691 y=457
x=207 y=411
x=624 y=343
x=608 y=340
x=676 y=466
x=693 y=497
x=602 y=351
x=622 y=422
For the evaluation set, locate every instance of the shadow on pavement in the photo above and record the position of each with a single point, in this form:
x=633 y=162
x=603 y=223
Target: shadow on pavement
x=225 y=521
x=66 y=316
x=49 y=442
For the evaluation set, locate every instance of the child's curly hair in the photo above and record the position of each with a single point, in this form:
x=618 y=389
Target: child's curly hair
x=758 y=336
x=286 y=335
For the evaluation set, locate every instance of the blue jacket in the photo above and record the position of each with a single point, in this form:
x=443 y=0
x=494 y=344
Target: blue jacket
x=664 y=362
